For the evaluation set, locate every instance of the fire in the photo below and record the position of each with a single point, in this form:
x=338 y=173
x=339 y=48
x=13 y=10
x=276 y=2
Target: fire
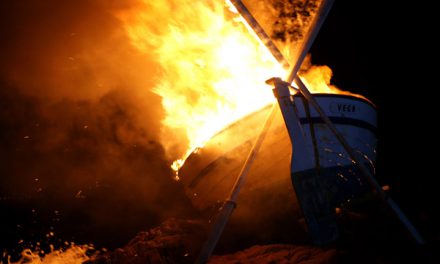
x=213 y=69
x=318 y=80
x=74 y=254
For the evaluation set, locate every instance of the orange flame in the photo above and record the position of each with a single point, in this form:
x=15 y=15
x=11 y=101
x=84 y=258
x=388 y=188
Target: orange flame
x=213 y=69
x=318 y=80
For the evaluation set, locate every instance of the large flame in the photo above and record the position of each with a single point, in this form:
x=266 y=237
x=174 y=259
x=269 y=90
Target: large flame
x=318 y=79
x=212 y=67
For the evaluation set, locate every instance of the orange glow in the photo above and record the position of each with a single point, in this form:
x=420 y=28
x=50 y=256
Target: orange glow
x=318 y=81
x=213 y=69
x=73 y=254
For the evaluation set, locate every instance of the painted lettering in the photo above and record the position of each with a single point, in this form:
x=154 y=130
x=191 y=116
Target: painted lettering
x=346 y=108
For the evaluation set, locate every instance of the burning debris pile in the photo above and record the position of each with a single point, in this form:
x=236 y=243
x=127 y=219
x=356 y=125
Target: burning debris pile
x=179 y=241
x=174 y=241
x=292 y=18
x=285 y=21
x=280 y=253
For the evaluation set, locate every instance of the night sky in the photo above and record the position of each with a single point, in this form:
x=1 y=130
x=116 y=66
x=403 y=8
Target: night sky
x=373 y=49
x=370 y=48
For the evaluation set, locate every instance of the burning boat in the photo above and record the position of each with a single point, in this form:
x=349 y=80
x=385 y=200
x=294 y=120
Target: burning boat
x=268 y=195
x=215 y=84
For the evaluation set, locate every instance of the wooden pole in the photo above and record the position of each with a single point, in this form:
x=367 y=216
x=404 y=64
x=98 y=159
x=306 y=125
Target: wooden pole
x=308 y=41
x=230 y=204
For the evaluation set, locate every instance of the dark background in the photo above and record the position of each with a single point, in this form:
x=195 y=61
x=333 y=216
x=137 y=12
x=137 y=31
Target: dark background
x=376 y=49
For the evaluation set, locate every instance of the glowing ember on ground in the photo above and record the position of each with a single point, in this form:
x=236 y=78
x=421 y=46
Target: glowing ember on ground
x=72 y=255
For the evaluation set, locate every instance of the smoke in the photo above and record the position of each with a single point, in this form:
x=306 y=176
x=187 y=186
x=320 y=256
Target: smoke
x=76 y=49
x=79 y=137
